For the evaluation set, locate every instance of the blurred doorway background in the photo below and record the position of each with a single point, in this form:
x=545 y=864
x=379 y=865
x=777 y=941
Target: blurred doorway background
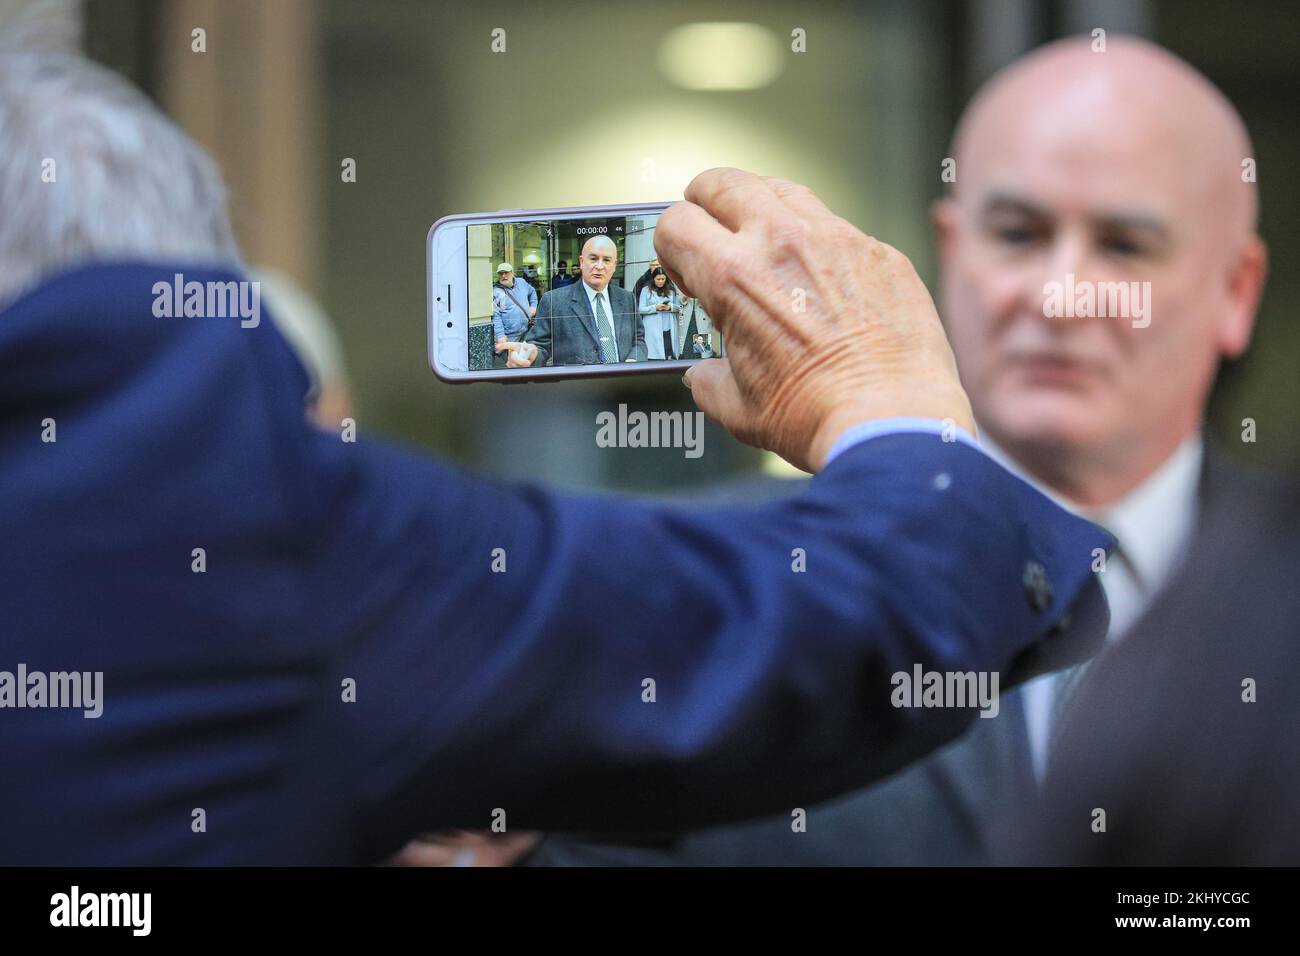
x=624 y=102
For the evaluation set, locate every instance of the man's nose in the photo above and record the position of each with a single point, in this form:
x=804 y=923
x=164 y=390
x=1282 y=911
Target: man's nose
x=1066 y=263
x=1069 y=255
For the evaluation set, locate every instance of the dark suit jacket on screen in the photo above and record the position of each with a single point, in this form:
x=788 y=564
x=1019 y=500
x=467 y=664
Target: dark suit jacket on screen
x=565 y=329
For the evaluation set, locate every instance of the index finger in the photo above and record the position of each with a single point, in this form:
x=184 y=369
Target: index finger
x=797 y=197
x=686 y=240
x=734 y=197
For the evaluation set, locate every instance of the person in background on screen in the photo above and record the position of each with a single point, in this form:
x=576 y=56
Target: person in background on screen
x=560 y=278
x=644 y=281
x=514 y=303
x=659 y=306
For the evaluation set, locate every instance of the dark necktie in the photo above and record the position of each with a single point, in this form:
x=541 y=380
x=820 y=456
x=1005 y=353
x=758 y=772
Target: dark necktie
x=608 y=348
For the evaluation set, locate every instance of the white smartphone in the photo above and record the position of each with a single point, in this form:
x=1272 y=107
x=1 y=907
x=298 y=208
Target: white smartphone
x=536 y=294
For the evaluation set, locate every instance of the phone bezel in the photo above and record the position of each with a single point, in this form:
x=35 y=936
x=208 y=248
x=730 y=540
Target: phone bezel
x=437 y=316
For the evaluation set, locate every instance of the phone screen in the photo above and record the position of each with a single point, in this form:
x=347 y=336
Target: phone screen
x=577 y=292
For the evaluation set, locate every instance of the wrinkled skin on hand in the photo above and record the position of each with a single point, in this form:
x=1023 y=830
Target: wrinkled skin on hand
x=825 y=326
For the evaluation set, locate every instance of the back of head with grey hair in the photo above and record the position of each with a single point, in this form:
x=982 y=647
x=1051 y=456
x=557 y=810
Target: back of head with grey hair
x=92 y=171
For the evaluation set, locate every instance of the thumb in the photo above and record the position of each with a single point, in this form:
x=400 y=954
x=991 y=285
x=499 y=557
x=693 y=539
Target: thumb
x=716 y=394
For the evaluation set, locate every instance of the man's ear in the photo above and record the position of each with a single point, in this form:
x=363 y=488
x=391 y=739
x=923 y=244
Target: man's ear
x=1245 y=286
x=943 y=217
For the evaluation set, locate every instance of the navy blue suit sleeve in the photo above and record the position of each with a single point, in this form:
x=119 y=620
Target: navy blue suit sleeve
x=524 y=688
x=476 y=690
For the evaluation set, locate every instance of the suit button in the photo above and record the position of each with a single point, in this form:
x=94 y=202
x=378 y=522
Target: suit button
x=1037 y=588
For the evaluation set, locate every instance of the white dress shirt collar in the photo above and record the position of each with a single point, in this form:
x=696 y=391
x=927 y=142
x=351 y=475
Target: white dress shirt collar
x=591 y=296
x=1154 y=522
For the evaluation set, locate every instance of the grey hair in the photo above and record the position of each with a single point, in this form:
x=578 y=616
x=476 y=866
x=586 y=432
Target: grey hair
x=127 y=183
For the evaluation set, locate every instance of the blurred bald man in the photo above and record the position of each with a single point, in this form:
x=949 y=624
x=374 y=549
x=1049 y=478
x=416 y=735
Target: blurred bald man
x=592 y=322
x=1082 y=169
x=1079 y=174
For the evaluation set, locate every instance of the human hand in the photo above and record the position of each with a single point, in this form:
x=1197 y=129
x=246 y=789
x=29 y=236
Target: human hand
x=826 y=327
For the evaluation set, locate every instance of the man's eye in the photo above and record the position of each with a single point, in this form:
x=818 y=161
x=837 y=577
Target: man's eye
x=1015 y=235
x=1122 y=247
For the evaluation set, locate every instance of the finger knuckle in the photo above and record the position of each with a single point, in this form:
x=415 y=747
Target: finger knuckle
x=716 y=190
x=844 y=233
x=788 y=189
x=727 y=266
x=876 y=252
x=729 y=178
x=787 y=235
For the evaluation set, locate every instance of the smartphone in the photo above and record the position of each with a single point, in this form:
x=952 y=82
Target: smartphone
x=535 y=294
